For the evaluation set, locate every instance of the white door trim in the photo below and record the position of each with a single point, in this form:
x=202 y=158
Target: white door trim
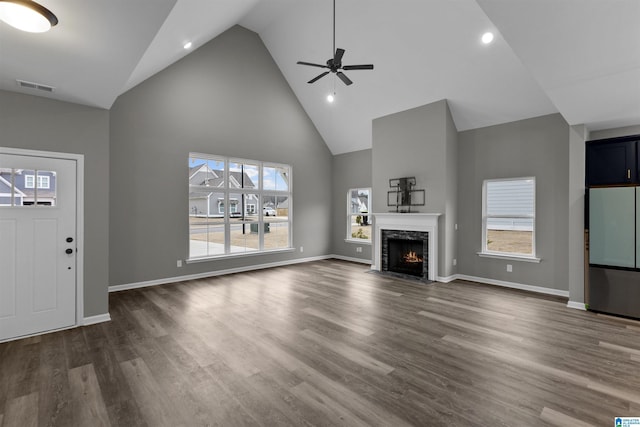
x=79 y=159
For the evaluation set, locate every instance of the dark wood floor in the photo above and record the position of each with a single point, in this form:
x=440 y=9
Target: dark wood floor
x=326 y=343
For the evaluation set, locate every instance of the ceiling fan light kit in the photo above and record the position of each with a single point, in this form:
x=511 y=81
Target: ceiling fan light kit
x=335 y=64
x=27 y=15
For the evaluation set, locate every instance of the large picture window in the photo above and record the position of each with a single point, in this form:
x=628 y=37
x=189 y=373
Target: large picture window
x=358 y=214
x=224 y=194
x=508 y=221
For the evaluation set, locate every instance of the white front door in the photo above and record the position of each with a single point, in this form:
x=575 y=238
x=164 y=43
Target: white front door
x=37 y=244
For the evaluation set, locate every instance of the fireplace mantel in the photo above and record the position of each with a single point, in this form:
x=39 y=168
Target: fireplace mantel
x=411 y=222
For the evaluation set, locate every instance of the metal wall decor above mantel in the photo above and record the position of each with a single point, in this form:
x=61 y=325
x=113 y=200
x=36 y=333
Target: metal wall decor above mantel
x=403 y=195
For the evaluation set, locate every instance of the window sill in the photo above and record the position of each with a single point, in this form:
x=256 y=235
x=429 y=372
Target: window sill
x=358 y=241
x=238 y=255
x=525 y=258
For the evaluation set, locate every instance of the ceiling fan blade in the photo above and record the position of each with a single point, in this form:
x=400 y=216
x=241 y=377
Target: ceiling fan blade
x=318 y=77
x=358 y=67
x=344 y=78
x=311 y=64
x=337 y=59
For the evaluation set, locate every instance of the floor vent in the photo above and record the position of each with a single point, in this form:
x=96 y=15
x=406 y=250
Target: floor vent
x=37 y=86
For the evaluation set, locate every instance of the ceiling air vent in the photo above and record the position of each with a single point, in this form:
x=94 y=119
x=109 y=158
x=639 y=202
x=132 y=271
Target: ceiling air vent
x=38 y=86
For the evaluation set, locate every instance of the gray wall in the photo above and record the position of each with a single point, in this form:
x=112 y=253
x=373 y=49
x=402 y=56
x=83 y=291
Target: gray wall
x=350 y=170
x=420 y=142
x=577 y=137
x=37 y=123
x=451 y=202
x=536 y=147
x=227 y=98
x=615 y=132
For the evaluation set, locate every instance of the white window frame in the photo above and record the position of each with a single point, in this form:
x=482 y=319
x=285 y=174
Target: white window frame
x=350 y=215
x=28 y=178
x=231 y=193
x=485 y=252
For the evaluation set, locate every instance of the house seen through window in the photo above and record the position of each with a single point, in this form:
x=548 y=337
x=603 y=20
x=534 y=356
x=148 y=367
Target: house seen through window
x=358 y=214
x=18 y=187
x=508 y=223
x=224 y=196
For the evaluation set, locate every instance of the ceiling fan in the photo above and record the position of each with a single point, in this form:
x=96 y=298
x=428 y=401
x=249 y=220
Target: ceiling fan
x=335 y=64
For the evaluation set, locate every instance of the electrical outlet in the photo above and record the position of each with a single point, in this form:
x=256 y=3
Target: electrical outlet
x=179 y=263
x=455 y=261
x=509 y=268
x=359 y=249
x=301 y=249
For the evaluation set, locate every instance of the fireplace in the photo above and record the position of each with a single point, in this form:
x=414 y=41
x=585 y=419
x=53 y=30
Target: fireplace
x=405 y=252
x=407 y=227
x=407 y=257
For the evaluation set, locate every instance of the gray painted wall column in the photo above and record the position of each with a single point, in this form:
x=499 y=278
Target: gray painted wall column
x=577 y=137
x=420 y=142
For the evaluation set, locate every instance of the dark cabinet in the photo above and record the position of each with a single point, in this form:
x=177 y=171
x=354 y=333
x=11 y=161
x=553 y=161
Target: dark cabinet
x=612 y=162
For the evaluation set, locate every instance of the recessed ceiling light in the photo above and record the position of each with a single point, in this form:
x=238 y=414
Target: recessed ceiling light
x=487 y=37
x=188 y=45
x=27 y=15
x=330 y=98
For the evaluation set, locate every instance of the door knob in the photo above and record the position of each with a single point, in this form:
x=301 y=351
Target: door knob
x=69 y=251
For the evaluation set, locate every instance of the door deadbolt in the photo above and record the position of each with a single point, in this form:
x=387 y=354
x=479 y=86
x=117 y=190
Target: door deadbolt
x=69 y=239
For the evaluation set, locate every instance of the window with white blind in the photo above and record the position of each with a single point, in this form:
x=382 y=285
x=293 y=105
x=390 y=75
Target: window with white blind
x=509 y=217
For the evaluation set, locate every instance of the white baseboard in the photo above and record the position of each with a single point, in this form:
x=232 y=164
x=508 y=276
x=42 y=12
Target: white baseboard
x=513 y=285
x=92 y=320
x=447 y=279
x=351 y=259
x=577 y=305
x=136 y=285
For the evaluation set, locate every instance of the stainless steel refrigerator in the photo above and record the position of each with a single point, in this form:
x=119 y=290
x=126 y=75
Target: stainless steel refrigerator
x=614 y=250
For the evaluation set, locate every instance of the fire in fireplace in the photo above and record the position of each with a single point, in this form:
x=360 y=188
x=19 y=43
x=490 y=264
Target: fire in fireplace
x=411 y=257
x=406 y=256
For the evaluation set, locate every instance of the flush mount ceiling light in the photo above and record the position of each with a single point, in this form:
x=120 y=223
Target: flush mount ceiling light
x=487 y=37
x=27 y=15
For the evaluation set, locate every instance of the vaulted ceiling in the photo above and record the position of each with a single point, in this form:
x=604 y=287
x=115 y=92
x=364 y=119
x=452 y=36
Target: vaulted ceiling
x=580 y=58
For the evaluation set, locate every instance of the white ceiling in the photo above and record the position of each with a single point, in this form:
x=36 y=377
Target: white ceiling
x=577 y=57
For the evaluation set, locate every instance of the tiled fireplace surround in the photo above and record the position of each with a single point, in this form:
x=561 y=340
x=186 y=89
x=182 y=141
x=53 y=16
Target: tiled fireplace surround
x=409 y=222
